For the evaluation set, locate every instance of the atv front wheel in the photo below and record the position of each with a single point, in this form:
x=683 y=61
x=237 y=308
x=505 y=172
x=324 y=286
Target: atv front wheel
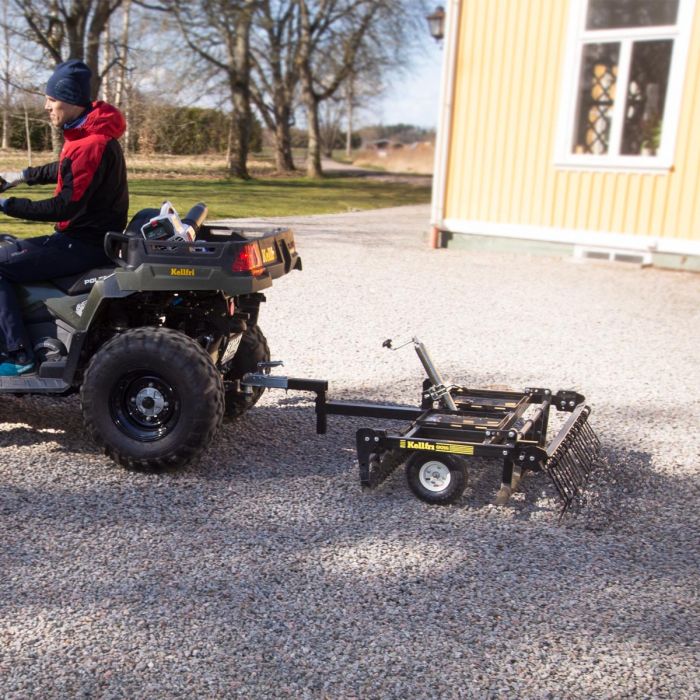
x=253 y=349
x=436 y=480
x=152 y=398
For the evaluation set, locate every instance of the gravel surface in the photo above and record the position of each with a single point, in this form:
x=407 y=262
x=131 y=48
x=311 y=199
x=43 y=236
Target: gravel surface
x=264 y=571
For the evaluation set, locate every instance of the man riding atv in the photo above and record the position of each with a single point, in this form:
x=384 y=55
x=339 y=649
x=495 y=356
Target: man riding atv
x=91 y=198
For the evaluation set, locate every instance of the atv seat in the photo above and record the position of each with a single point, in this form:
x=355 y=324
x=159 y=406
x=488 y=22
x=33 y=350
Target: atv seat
x=82 y=282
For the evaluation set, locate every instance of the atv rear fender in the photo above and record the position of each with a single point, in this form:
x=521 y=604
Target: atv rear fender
x=229 y=260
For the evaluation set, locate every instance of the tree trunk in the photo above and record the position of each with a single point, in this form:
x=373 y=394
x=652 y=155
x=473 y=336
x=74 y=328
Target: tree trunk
x=229 y=141
x=240 y=136
x=313 y=152
x=283 y=157
x=126 y=139
x=239 y=77
x=284 y=160
x=313 y=155
x=120 y=91
x=29 y=134
x=348 y=135
x=56 y=140
x=106 y=85
x=92 y=59
x=6 y=81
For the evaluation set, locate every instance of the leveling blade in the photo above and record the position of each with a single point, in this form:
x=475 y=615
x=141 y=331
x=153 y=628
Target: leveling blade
x=572 y=455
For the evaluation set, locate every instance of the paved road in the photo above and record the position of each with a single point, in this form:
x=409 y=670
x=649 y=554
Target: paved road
x=264 y=570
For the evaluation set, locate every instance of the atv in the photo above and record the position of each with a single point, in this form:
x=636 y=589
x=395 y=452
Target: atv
x=157 y=342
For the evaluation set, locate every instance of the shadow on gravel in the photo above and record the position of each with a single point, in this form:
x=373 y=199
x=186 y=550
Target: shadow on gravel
x=43 y=420
x=276 y=442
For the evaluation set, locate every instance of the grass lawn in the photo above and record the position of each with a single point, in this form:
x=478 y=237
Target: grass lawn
x=260 y=197
x=186 y=180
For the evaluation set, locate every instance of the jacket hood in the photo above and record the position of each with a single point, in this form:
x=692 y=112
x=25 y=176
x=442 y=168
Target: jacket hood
x=103 y=119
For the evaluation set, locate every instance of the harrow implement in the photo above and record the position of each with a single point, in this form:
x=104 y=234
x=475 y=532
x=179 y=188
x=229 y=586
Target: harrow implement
x=455 y=424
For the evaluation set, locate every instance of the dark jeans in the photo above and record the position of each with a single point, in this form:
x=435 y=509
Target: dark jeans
x=37 y=260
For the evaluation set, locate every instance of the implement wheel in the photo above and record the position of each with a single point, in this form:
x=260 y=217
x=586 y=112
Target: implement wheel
x=436 y=479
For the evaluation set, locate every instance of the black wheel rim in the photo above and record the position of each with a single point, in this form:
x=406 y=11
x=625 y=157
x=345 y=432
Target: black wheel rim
x=144 y=406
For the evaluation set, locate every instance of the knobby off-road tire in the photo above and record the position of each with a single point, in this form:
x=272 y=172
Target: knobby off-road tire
x=253 y=349
x=152 y=398
x=436 y=479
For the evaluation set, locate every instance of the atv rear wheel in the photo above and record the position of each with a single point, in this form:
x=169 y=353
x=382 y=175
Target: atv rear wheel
x=436 y=479
x=152 y=398
x=253 y=349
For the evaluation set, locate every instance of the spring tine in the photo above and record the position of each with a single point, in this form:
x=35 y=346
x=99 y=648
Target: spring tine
x=582 y=459
x=576 y=473
x=554 y=476
x=585 y=461
x=573 y=459
x=584 y=440
x=591 y=435
x=565 y=470
x=592 y=442
x=572 y=462
x=595 y=442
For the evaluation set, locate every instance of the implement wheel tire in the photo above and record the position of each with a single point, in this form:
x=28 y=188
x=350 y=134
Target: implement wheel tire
x=253 y=349
x=436 y=479
x=152 y=398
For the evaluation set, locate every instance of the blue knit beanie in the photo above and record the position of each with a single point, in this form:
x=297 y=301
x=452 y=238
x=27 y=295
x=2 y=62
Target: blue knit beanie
x=70 y=83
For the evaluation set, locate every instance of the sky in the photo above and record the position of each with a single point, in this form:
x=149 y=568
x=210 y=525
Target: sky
x=412 y=98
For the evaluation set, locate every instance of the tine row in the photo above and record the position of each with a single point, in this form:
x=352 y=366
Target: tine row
x=573 y=460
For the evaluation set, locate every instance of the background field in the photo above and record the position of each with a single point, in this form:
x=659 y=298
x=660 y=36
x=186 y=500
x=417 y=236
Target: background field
x=185 y=180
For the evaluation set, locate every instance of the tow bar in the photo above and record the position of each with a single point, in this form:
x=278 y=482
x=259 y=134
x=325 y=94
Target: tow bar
x=454 y=424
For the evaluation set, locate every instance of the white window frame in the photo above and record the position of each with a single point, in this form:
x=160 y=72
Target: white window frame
x=577 y=36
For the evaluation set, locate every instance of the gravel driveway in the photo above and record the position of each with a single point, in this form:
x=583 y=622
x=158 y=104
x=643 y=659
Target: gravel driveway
x=264 y=571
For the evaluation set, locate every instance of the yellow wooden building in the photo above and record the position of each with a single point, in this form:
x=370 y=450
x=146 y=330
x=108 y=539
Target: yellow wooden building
x=571 y=125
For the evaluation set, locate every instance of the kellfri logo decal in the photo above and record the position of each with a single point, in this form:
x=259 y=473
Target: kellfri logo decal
x=182 y=272
x=425 y=446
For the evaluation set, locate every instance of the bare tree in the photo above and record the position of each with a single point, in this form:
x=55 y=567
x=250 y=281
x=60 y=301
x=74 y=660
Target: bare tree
x=322 y=64
x=120 y=91
x=275 y=76
x=336 y=39
x=218 y=32
x=70 y=30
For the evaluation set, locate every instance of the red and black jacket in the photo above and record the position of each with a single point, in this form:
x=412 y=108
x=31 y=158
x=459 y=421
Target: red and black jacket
x=91 y=195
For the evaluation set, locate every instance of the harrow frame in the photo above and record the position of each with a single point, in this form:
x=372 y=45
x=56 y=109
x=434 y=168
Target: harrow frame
x=456 y=423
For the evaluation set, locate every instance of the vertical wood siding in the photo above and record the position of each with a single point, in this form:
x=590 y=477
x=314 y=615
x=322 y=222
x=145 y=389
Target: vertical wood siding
x=507 y=99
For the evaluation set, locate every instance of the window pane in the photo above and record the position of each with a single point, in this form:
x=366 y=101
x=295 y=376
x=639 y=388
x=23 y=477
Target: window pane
x=596 y=97
x=646 y=96
x=614 y=14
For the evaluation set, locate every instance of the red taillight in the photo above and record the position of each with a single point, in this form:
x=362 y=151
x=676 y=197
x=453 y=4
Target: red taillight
x=248 y=259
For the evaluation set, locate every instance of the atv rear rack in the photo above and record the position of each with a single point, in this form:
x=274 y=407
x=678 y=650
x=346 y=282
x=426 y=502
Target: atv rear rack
x=454 y=424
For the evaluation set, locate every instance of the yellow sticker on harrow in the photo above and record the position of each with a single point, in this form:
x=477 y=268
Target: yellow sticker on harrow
x=444 y=447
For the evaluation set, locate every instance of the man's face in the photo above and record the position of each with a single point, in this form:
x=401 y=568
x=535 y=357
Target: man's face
x=61 y=113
